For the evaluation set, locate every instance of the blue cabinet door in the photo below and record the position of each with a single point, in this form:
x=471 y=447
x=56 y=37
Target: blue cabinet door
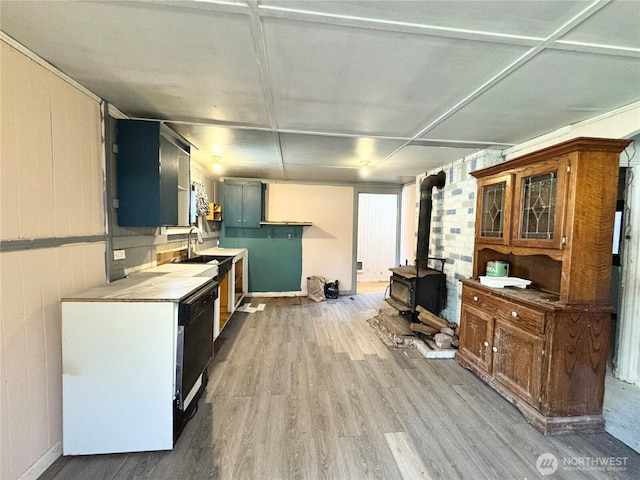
x=252 y=205
x=232 y=204
x=147 y=175
x=168 y=183
x=243 y=204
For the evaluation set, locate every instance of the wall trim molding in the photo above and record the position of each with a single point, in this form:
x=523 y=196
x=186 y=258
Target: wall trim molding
x=47 y=242
x=43 y=463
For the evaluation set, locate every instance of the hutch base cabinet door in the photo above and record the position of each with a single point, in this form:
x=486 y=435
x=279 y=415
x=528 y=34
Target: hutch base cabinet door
x=550 y=215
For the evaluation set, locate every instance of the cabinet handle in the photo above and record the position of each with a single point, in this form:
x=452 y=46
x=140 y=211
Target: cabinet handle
x=494 y=349
x=239 y=221
x=486 y=344
x=514 y=314
x=475 y=299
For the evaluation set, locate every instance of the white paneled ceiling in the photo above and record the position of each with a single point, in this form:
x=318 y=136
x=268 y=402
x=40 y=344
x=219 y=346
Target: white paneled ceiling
x=313 y=90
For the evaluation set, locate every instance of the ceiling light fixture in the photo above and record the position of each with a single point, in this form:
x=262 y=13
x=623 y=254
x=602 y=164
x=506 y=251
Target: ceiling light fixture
x=216 y=166
x=364 y=168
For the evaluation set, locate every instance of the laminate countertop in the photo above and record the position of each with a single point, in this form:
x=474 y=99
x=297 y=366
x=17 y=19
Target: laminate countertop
x=171 y=283
x=181 y=270
x=228 y=252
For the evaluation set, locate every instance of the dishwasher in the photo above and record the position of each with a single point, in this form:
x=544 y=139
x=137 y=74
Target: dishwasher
x=194 y=351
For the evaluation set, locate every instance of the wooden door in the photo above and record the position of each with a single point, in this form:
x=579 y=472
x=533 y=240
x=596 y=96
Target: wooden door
x=517 y=361
x=476 y=336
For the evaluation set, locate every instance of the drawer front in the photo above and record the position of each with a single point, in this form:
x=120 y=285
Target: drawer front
x=507 y=310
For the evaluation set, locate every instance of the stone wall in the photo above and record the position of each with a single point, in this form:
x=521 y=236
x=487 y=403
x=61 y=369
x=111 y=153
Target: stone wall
x=453 y=222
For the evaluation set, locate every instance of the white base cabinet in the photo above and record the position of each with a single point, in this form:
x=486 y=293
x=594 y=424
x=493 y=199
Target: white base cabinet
x=118 y=376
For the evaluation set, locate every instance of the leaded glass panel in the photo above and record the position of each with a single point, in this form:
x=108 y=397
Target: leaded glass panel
x=493 y=198
x=538 y=206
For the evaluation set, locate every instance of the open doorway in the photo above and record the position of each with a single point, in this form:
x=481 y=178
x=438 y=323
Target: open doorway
x=377 y=240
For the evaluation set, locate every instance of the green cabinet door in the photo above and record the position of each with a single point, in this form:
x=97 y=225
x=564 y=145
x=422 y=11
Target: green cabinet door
x=232 y=206
x=148 y=165
x=243 y=204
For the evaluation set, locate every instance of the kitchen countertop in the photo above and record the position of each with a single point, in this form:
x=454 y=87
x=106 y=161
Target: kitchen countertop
x=229 y=252
x=170 y=282
x=181 y=270
x=143 y=288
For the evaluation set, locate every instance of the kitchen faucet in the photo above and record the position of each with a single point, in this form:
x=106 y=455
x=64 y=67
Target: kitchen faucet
x=200 y=240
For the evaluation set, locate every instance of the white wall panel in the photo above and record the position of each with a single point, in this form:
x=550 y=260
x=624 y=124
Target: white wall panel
x=33 y=282
x=41 y=176
x=377 y=235
x=12 y=67
x=327 y=246
x=408 y=224
x=628 y=366
x=51 y=185
x=52 y=155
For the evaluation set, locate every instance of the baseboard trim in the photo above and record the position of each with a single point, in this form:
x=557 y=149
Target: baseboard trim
x=43 y=463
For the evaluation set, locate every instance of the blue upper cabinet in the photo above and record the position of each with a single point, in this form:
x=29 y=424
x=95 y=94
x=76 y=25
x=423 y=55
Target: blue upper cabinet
x=243 y=204
x=153 y=176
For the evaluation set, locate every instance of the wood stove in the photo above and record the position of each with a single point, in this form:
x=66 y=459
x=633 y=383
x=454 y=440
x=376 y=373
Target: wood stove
x=410 y=286
x=413 y=285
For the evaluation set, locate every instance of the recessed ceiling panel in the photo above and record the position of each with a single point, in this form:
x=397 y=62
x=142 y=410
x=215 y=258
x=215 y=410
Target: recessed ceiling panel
x=616 y=24
x=524 y=18
x=238 y=170
x=555 y=89
x=322 y=174
x=308 y=90
x=336 y=79
x=415 y=160
x=181 y=61
x=255 y=147
x=299 y=149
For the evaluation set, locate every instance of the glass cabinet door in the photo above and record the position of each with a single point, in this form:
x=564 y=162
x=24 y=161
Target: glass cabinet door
x=494 y=210
x=539 y=198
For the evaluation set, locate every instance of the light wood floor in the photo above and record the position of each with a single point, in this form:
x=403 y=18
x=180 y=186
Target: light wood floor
x=307 y=391
x=372 y=287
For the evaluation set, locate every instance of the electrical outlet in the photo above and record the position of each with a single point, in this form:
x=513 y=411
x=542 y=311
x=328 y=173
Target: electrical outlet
x=119 y=255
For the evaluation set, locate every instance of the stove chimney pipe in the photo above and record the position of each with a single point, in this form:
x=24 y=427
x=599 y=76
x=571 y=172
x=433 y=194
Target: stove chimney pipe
x=424 y=218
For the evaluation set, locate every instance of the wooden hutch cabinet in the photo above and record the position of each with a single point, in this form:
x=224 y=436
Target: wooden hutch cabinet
x=550 y=215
